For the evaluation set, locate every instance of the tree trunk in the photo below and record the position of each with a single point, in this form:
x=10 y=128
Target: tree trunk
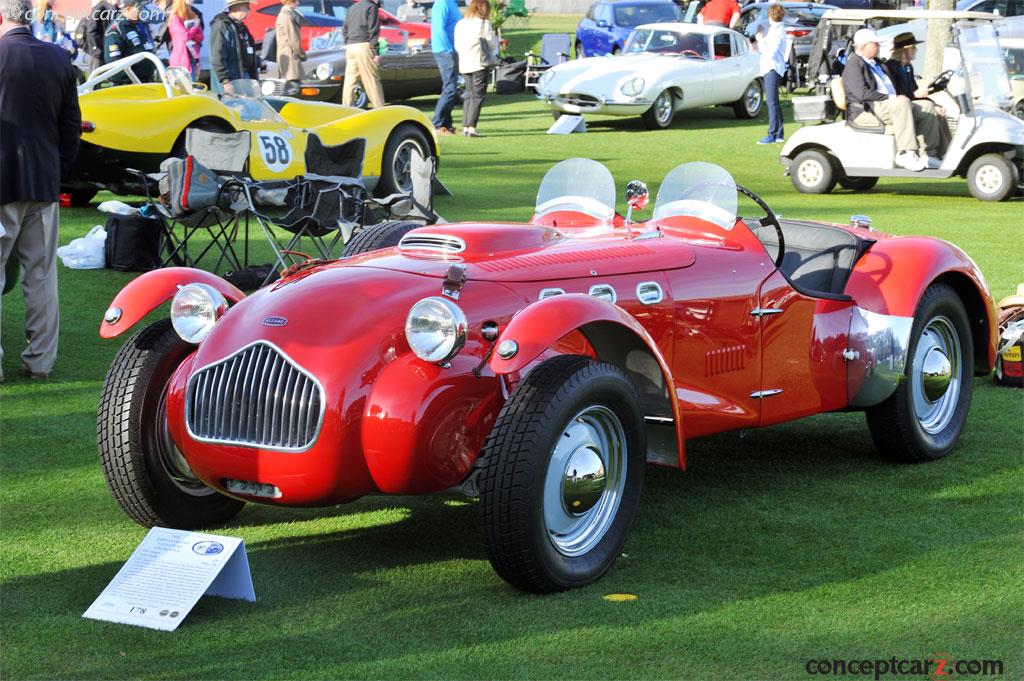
x=940 y=32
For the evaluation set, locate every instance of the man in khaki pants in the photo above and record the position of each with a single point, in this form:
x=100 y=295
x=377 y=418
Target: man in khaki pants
x=361 y=33
x=40 y=125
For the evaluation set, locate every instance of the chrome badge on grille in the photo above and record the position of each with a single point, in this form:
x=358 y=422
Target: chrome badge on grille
x=275 y=321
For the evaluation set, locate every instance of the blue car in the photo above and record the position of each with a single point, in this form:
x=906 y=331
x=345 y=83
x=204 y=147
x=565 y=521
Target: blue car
x=609 y=22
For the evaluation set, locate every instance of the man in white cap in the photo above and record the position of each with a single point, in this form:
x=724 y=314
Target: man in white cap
x=871 y=96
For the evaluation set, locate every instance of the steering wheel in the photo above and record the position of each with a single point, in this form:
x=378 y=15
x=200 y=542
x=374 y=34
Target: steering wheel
x=769 y=219
x=692 y=53
x=940 y=82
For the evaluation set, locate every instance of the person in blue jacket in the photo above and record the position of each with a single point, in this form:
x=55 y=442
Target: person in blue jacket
x=444 y=15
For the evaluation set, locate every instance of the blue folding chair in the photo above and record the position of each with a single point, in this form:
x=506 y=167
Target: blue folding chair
x=554 y=49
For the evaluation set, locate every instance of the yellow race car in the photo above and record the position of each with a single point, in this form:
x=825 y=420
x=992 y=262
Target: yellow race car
x=140 y=124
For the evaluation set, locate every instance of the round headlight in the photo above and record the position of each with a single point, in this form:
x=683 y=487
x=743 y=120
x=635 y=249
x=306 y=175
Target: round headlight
x=633 y=87
x=195 y=309
x=435 y=329
x=545 y=78
x=324 y=71
x=267 y=88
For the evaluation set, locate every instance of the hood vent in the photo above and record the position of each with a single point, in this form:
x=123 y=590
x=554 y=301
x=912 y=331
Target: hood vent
x=435 y=243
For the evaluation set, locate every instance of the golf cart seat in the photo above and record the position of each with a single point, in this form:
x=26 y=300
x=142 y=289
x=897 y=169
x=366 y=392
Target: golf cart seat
x=839 y=97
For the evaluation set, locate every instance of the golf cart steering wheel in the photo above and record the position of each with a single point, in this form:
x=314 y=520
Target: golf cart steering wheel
x=768 y=219
x=940 y=82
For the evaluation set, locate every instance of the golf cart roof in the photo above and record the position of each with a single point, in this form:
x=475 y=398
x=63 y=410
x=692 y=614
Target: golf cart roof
x=863 y=15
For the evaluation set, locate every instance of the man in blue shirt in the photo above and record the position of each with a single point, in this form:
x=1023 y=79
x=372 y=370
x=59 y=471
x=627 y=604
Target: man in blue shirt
x=444 y=15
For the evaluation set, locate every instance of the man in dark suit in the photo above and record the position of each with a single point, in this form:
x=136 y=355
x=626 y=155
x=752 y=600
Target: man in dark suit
x=40 y=126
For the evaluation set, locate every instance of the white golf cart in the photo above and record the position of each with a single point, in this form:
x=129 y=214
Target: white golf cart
x=987 y=146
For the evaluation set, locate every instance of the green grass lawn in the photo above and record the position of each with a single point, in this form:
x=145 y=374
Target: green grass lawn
x=792 y=543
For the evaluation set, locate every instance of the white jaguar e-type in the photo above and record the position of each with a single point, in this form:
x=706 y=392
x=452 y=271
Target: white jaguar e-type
x=663 y=69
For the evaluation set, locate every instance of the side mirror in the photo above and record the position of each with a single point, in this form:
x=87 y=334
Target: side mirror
x=636 y=197
x=601 y=23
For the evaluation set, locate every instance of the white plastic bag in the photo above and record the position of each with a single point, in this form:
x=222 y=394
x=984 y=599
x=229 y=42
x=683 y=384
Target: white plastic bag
x=117 y=208
x=85 y=253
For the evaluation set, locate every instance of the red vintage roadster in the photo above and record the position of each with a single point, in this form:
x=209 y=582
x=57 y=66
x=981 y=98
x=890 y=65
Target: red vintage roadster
x=537 y=366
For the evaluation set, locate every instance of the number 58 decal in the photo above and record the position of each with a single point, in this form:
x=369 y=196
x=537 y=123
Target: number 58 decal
x=274 y=149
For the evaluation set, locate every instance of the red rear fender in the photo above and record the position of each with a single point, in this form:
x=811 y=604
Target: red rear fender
x=613 y=333
x=147 y=292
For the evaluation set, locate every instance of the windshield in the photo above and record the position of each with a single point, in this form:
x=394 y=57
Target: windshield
x=661 y=41
x=1014 y=57
x=984 y=65
x=580 y=185
x=634 y=15
x=247 y=100
x=700 y=190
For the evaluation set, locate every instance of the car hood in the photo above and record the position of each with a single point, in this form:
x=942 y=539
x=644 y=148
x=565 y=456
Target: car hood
x=603 y=74
x=528 y=253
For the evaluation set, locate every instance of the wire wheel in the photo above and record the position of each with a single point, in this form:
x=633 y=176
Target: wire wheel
x=584 y=481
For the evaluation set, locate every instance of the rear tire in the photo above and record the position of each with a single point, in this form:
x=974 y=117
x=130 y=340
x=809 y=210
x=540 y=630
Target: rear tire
x=752 y=102
x=546 y=529
x=661 y=113
x=991 y=177
x=922 y=420
x=375 y=237
x=395 y=175
x=812 y=172
x=145 y=472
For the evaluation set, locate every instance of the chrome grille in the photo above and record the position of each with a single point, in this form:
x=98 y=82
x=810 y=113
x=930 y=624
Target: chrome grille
x=441 y=243
x=582 y=101
x=257 y=397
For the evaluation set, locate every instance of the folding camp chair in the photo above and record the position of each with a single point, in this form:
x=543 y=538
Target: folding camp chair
x=554 y=49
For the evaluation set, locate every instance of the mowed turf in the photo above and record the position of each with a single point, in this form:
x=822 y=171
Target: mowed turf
x=773 y=548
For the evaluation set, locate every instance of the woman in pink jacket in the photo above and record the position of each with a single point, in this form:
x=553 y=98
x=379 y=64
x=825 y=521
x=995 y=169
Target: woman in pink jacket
x=186 y=28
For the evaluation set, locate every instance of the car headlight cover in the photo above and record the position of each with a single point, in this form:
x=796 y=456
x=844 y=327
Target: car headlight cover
x=324 y=71
x=545 y=78
x=195 y=309
x=633 y=86
x=267 y=88
x=435 y=329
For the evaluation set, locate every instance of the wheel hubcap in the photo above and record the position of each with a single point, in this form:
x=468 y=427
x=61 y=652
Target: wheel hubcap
x=989 y=179
x=585 y=479
x=402 y=165
x=936 y=375
x=583 y=482
x=753 y=98
x=810 y=173
x=663 y=107
x=360 y=97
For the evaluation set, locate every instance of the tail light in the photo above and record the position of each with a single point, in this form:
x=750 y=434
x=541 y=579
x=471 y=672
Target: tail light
x=88 y=126
x=798 y=33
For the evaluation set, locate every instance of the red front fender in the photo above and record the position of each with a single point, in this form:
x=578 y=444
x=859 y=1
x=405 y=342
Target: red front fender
x=147 y=292
x=540 y=325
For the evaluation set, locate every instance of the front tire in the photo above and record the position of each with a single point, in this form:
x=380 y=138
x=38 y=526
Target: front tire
x=923 y=419
x=661 y=113
x=146 y=473
x=396 y=169
x=562 y=475
x=991 y=177
x=750 y=104
x=579 y=51
x=812 y=172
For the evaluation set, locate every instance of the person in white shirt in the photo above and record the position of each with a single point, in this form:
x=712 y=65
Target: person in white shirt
x=477 y=46
x=774 y=48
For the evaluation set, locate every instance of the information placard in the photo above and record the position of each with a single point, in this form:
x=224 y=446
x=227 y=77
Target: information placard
x=168 y=573
x=567 y=124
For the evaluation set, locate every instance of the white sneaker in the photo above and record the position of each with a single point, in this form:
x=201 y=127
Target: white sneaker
x=909 y=160
x=934 y=162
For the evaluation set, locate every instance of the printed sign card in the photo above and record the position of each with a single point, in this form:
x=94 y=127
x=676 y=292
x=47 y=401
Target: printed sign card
x=167 y=575
x=567 y=125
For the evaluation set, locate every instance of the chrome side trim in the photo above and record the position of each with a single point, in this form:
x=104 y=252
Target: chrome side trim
x=659 y=419
x=764 y=311
x=881 y=343
x=760 y=394
x=603 y=292
x=649 y=292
